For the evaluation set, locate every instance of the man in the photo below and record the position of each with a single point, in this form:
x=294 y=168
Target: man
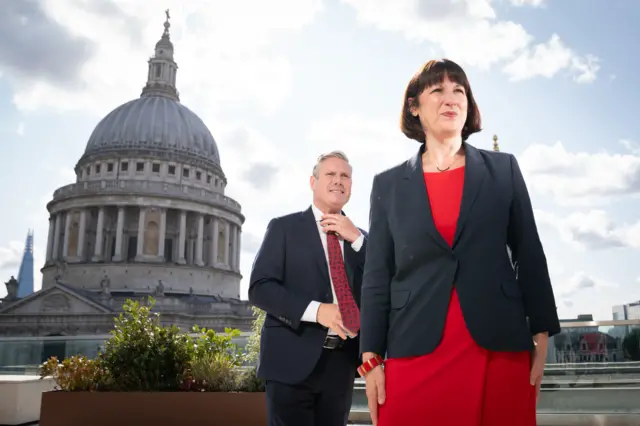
x=307 y=276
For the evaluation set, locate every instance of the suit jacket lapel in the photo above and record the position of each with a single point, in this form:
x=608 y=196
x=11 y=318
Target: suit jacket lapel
x=349 y=261
x=311 y=234
x=473 y=176
x=417 y=201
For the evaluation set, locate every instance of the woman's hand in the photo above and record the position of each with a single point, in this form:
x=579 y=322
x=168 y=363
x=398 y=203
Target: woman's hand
x=375 y=388
x=538 y=362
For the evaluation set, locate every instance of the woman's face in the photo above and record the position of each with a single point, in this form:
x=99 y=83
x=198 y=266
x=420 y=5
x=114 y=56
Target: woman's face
x=442 y=109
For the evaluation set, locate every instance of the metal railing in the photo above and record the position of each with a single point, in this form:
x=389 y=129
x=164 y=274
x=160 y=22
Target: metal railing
x=589 y=379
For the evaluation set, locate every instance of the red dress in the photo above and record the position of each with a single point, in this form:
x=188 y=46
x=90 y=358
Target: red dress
x=459 y=383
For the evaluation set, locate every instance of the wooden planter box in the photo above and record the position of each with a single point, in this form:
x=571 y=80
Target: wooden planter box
x=153 y=409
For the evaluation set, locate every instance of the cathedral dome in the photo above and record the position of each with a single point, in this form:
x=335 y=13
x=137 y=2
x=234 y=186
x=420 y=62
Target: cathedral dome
x=154 y=123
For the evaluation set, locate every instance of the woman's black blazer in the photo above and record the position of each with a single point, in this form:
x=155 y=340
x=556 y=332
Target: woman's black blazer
x=497 y=262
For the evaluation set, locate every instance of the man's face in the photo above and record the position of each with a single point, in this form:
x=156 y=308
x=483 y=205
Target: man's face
x=332 y=188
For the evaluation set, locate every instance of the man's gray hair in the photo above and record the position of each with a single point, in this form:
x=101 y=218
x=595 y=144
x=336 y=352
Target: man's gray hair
x=333 y=154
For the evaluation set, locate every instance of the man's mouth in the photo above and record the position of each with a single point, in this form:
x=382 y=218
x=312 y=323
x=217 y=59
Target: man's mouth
x=338 y=191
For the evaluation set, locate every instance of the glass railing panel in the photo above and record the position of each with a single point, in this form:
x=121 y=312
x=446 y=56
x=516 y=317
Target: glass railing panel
x=24 y=355
x=601 y=350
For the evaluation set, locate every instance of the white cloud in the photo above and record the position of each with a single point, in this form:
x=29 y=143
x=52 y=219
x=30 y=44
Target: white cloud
x=20 y=129
x=469 y=32
x=631 y=146
x=582 y=281
x=10 y=256
x=576 y=288
x=532 y=3
x=10 y=259
x=580 y=177
x=218 y=58
x=548 y=59
x=592 y=230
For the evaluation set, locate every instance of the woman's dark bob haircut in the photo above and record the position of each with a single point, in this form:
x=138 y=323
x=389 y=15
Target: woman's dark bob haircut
x=432 y=73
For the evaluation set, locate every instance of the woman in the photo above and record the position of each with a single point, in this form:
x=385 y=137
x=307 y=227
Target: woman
x=456 y=291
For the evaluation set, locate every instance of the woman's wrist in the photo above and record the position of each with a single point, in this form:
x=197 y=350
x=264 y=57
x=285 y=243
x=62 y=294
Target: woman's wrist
x=541 y=340
x=366 y=356
x=370 y=361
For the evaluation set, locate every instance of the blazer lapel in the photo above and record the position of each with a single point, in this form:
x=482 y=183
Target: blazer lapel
x=309 y=229
x=417 y=200
x=473 y=176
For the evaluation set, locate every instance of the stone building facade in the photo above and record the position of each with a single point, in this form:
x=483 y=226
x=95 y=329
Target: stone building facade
x=147 y=216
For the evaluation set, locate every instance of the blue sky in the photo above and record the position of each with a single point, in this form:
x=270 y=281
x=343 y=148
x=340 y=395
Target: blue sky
x=279 y=84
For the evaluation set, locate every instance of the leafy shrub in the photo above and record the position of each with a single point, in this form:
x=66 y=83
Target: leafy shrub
x=249 y=381
x=143 y=355
x=75 y=374
x=253 y=345
x=213 y=372
x=210 y=342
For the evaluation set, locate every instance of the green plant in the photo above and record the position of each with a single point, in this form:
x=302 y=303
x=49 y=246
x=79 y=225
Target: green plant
x=253 y=345
x=142 y=355
x=217 y=363
x=213 y=372
x=248 y=381
x=209 y=342
x=75 y=374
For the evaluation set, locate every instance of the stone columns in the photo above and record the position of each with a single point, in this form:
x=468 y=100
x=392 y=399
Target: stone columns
x=67 y=228
x=117 y=256
x=182 y=237
x=199 y=240
x=227 y=248
x=97 y=253
x=234 y=245
x=50 y=237
x=213 y=252
x=56 y=237
x=163 y=233
x=82 y=231
x=238 y=247
x=142 y=222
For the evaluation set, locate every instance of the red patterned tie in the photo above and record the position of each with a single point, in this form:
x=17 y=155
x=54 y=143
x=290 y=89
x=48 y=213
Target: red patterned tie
x=347 y=304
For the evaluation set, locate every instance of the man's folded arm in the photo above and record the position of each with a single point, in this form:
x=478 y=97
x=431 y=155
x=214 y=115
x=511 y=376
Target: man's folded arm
x=266 y=287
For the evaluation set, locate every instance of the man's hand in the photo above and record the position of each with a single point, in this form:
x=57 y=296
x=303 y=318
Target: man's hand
x=329 y=316
x=341 y=225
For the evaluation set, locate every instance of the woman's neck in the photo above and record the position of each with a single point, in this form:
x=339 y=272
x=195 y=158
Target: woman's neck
x=442 y=149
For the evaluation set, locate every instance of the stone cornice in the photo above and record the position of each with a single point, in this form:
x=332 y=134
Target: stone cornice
x=158 y=154
x=136 y=193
